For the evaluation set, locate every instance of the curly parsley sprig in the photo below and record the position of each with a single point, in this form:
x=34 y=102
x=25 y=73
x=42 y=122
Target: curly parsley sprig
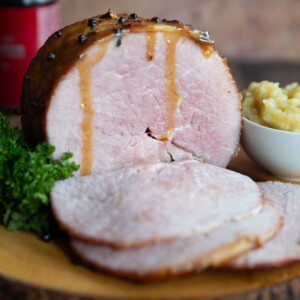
x=26 y=179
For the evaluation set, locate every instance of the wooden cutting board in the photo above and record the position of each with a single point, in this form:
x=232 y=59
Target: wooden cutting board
x=32 y=269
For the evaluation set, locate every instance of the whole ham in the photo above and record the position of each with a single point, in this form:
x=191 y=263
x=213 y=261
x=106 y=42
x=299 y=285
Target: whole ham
x=119 y=90
x=284 y=249
x=145 y=204
x=187 y=255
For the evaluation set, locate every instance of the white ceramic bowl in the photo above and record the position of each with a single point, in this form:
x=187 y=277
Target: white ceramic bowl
x=276 y=151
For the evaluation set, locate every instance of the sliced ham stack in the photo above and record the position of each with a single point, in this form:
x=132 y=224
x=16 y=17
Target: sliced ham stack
x=150 y=203
x=284 y=249
x=158 y=220
x=118 y=90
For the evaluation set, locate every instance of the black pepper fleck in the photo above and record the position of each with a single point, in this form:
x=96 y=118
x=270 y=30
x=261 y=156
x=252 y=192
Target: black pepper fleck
x=133 y=17
x=156 y=19
x=204 y=37
x=119 y=42
x=117 y=33
x=46 y=237
x=107 y=15
x=51 y=56
x=171 y=21
x=121 y=20
x=57 y=34
x=82 y=38
x=93 y=22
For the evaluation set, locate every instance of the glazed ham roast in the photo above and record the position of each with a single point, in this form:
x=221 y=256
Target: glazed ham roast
x=119 y=90
x=152 y=115
x=142 y=205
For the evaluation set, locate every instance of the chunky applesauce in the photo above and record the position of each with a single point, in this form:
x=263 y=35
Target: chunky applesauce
x=268 y=104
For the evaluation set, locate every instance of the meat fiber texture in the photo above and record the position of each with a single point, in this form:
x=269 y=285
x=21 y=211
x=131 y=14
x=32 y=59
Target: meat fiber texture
x=284 y=249
x=150 y=203
x=186 y=255
x=118 y=94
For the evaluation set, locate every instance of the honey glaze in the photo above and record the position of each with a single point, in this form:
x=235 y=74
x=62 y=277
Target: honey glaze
x=85 y=66
x=151 y=42
x=172 y=96
x=207 y=49
x=172 y=33
x=88 y=115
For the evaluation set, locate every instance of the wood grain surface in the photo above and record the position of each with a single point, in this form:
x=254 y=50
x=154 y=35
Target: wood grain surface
x=33 y=269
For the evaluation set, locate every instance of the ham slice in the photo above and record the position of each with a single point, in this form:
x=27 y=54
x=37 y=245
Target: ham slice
x=184 y=255
x=118 y=90
x=146 y=204
x=284 y=249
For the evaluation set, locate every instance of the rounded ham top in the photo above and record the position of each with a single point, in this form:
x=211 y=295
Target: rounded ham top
x=118 y=91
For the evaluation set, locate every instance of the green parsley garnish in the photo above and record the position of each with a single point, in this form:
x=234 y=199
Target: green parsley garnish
x=26 y=179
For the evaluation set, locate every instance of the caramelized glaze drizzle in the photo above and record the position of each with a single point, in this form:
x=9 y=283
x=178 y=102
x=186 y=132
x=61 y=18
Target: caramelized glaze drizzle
x=151 y=42
x=88 y=114
x=100 y=55
x=85 y=67
x=172 y=95
x=207 y=50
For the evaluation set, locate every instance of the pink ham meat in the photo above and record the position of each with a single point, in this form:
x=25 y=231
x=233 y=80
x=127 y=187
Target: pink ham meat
x=145 y=204
x=134 y=91
x=284 y=249
x=184 y=255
